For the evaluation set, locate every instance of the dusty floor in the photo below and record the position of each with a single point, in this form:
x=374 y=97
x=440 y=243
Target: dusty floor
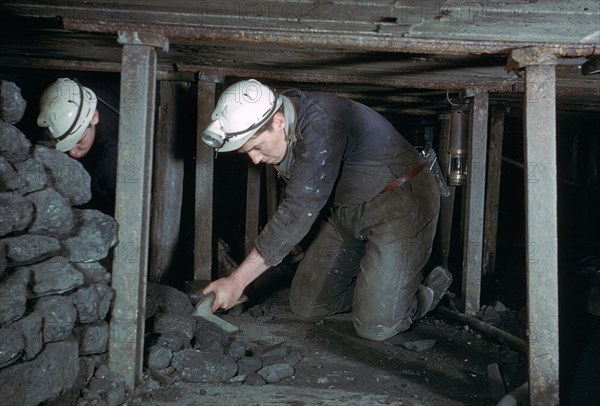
x=340 y=368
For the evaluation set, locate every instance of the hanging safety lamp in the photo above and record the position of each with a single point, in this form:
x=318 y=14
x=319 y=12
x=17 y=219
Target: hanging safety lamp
x=457 y=145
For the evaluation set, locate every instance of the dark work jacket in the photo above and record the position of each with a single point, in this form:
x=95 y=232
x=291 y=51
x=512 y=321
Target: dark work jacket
x=101 y=164
x=345 y=154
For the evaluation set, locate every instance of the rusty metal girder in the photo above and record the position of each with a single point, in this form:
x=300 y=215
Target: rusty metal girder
x=335 y=40
x=401 y=81
x=522 y=57
x=396 y=26
x=143 y=38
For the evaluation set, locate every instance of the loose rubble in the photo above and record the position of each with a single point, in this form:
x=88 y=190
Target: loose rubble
x=185 y=347
x=498 y=315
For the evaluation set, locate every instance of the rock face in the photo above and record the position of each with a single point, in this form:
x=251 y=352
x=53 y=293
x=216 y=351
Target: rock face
x=46 y=377
x=54 y=293
x=16 y=213
x=94 y=237
x=68 y=176
x=13 y=295
x=12 y=104
x=14 y=146
x=200 y=366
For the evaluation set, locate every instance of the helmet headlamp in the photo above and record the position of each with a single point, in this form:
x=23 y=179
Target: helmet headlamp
x=242 y=110
x=213 y=135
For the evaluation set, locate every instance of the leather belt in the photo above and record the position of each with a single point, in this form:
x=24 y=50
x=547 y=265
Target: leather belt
x=406 y=177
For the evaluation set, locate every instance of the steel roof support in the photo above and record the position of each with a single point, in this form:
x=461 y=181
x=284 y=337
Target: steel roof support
x=475 y=201
x=132 y=204
x=541 y=209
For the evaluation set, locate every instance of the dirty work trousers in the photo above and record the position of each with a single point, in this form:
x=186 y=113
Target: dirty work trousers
x=369 y=258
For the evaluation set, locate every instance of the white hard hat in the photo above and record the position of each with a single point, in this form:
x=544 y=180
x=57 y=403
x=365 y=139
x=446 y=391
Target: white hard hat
x=242 y=109
x=66 y=109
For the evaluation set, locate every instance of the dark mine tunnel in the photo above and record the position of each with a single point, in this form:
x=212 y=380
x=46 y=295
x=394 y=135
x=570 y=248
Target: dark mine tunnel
x=120 y=203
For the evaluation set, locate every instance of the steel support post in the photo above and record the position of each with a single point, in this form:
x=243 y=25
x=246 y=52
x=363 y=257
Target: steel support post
x=475 y=202
x=132 y=206
x=541 y=233
x=204 y=244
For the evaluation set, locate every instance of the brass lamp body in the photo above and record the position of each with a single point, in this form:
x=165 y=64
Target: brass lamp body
x=457 y=146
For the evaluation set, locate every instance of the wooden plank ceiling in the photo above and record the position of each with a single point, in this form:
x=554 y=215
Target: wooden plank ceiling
x=390 y=50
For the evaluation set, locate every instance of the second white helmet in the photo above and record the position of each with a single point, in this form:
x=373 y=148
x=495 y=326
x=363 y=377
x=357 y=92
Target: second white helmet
x=66 y=109
x=242 y=109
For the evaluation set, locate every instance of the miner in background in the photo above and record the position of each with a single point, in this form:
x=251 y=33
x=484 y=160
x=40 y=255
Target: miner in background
x=69 y=113
x=348 y=169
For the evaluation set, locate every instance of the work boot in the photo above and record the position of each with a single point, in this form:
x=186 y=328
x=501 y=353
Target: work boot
x=432 y=290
